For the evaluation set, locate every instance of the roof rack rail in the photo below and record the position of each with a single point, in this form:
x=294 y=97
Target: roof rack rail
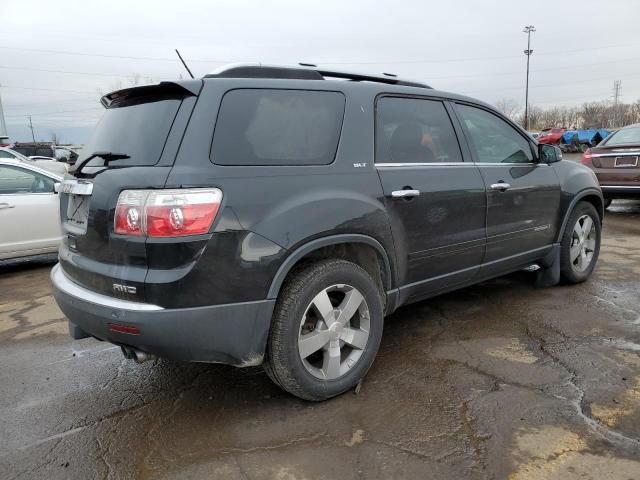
x=306 y=71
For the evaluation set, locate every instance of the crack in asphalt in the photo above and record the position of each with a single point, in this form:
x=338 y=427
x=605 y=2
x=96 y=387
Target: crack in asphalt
x=614 y=437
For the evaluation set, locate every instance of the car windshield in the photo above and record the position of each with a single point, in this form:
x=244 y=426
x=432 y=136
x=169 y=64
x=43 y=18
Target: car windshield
x=625 y=136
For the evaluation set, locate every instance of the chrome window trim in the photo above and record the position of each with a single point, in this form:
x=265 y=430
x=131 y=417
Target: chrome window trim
x=424 y=164
x=620 y=187
x=509 y=164
x=63 y=283
x=458 y=164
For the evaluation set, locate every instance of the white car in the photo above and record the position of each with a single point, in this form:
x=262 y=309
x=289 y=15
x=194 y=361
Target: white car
x=29 y=209
x=47 y=163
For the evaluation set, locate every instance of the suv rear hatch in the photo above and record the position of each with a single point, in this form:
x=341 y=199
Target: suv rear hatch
x=133 y=147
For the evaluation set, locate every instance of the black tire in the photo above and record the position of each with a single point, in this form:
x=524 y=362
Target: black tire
x=607 y=202
x=568 y=271
x=283 y=363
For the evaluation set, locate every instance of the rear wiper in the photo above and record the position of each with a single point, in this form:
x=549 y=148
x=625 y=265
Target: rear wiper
x=106 y=156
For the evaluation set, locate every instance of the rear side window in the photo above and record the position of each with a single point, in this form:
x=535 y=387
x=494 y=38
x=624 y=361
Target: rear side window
x=625 y=136
x=413 y=130
x=264 y=127
x=139 y=131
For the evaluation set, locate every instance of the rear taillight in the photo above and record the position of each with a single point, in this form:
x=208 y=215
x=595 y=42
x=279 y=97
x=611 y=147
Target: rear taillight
x=166 y=213
x=586 y=158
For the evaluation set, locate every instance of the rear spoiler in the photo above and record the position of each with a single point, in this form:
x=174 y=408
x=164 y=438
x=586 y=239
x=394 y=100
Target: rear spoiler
x=179 y=89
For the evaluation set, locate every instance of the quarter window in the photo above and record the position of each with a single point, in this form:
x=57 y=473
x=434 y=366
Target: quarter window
x=15 y=180
x=413 y=130
x=495 y=141
x=278 y=127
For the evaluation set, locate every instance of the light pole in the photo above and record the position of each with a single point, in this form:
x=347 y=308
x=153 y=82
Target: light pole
x=528 y=29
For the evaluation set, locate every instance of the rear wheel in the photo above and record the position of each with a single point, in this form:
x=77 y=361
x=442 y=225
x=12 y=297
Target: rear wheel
x=580 y=245
x=325 y=331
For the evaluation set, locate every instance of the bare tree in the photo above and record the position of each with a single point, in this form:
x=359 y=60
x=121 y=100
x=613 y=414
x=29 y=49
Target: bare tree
x=510 y=107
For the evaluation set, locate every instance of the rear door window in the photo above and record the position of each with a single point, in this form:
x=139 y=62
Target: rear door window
x=265 y=127
x=16 y=180
x=413 y=130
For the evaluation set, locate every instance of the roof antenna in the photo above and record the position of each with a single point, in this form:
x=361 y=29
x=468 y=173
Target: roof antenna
x=185 y=65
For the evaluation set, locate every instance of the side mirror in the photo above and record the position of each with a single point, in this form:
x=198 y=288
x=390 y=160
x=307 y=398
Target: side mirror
x=549 y=153
x=56 y=187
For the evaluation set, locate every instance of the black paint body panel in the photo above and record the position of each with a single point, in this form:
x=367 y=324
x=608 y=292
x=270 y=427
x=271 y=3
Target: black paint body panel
x=456 y=233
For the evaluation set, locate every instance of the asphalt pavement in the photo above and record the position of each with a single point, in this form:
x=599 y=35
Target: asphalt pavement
x=500 y=380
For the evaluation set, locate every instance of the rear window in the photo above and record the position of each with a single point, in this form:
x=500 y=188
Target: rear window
x=139 y=131
x=625 y=136
x=264 y=127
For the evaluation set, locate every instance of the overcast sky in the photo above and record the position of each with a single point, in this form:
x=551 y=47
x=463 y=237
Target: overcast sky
x=56 y=56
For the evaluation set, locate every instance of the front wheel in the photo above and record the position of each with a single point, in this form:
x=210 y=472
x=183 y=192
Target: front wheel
x=326 y=330
x=580 y=244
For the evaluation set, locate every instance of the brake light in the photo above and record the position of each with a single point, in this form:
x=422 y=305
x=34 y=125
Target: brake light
x=166 y=213
x=586 y=158
x=129 y=212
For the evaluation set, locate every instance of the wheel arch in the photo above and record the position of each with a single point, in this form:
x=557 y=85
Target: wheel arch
x=340 y=246
x=593 y=196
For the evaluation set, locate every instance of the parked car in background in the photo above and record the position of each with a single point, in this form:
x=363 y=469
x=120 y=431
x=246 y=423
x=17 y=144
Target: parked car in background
x=272 y=215
x=615 y=162
x=35 y=149
x=551 y=136
x=29 y=209
x=66 y=154
x=46 y=163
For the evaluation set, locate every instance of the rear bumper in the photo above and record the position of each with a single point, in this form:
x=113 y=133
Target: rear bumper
x=234 y=334
x=620 y=191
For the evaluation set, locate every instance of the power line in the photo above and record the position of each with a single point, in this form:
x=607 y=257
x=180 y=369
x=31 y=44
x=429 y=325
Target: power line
x=328 y=62
x=75 y=72
x=124 y=57
x=50 y=89
x=58 y=112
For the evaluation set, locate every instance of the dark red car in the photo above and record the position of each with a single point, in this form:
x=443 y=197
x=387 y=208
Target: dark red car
x=615 y=162
x=551 y=136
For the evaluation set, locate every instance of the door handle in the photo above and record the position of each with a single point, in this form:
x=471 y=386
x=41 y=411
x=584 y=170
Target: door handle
x=502 y=186
x=405 y=193
x=6 y=205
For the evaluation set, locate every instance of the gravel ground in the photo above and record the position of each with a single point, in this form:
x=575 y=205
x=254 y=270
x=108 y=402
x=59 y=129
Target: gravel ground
x=500 y=380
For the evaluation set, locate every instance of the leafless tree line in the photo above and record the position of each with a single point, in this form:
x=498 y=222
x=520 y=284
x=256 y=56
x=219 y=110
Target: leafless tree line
x=603 y=114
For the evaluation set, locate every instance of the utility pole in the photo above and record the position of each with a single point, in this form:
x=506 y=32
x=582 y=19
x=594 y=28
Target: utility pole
x=528 y=29
x=617 y=87
x=31 y=128
x=4 y=136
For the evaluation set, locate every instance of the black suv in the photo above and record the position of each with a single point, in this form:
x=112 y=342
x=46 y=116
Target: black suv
x=274 y=216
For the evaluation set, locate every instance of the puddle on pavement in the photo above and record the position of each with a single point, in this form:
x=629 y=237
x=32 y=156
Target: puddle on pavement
x=621 y=406
x=555 y=453
x=514 y=351
x=42 y=317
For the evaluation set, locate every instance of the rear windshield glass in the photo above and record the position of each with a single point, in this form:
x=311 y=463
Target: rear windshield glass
x=139 y=131
x=278 y=127
x=625 y=136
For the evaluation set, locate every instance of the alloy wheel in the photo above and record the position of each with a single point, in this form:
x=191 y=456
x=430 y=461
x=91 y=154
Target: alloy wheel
x=334 y=331
x=583 y=243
